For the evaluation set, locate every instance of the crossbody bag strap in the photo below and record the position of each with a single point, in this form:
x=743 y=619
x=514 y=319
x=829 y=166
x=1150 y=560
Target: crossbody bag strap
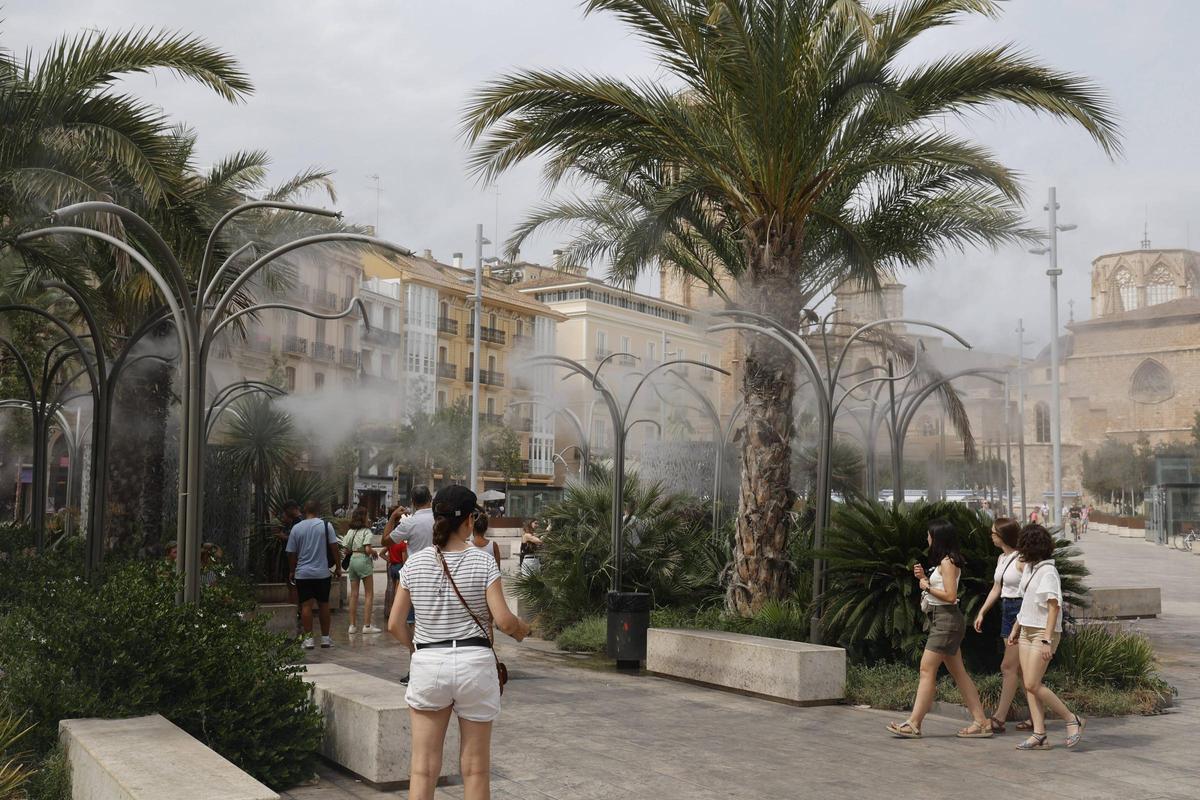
x=463 y=600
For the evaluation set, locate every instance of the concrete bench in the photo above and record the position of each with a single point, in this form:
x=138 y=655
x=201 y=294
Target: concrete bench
x=1123 y=602
x=796 y=672
x=366 y=724
x=148 y=758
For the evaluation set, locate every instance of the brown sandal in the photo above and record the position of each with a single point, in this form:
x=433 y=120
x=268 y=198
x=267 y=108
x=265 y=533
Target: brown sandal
x=904 y=730
x=976 y=730
x=1025 y=725
x=997 y=725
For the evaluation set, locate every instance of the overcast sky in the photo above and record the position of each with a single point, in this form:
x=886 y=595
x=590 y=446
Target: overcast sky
x=377 y=87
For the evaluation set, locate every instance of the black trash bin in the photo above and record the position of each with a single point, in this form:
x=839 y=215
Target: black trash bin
x=628 y=621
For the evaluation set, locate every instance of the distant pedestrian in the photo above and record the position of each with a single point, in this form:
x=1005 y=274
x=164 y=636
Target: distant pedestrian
x=479 y=538
x=939 y=600
x=311 y=548
x=1037 y=631
x=531 y=545
x=1005 y=590
x=417 y=531
x=361 y=570
x=458 y=595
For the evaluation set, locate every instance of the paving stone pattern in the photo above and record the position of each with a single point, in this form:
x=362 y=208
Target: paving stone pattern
x=575 y=733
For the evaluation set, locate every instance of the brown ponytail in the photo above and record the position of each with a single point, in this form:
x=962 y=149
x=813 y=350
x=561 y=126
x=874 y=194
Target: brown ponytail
x=443 y=527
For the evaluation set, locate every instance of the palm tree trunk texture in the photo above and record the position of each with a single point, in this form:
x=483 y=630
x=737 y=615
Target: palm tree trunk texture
x=761 y=569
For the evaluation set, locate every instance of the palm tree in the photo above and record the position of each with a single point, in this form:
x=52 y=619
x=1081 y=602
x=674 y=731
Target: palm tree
x=793 y=130
x=259 y=441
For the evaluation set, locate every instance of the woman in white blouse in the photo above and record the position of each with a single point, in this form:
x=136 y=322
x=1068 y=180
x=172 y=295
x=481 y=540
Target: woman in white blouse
x=1038 y=630
x=1007 y=592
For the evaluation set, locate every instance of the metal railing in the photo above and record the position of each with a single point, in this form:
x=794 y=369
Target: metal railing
x=448 y=326
x=324 y=352
x=493 y=335
x=522 y=340
x=295 y=344
x=447 y=370
x=349 y=358
x=387 y=338
x=325 y=298
x=487 y=376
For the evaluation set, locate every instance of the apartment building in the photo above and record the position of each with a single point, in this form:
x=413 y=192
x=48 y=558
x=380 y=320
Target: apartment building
x=633 y=332
x=438 y=364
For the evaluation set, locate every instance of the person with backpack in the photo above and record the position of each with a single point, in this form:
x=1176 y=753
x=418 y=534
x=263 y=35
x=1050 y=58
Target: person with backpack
x=359 y=563
x=1037 y=631
x=454 y=669
x=312 y=548
x=939 y=601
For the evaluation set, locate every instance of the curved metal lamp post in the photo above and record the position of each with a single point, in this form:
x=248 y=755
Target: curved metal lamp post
x=827 y=386
x=619 y=414
x=197 y=328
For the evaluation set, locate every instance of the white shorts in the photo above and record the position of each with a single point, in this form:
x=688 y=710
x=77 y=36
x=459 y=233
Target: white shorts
x=463 y=677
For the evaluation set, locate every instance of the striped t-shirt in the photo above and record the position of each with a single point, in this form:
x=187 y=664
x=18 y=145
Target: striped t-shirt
x=440 y=614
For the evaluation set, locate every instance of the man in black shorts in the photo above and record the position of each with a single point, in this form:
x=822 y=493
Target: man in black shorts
x=311 y=548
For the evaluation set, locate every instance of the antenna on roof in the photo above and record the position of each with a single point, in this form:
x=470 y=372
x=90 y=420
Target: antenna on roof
x=1146 y=230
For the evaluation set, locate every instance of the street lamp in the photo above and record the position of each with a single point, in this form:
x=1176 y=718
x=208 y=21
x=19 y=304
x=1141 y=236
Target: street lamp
x=480 y=241
x=1053 y=228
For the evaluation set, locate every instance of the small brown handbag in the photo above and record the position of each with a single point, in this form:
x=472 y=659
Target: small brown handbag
x=501 y=670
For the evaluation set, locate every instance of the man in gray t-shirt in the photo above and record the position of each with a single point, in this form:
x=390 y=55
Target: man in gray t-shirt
x=416 y=529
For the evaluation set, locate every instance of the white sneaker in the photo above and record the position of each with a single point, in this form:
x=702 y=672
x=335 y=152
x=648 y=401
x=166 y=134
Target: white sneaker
x=372 y=629
x=308 y=643
x=354 y=629
x=326 y=641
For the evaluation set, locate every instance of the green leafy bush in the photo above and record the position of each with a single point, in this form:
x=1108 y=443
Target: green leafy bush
x=14 y=773
x=589 y=635
x=124 y=648
x=669 y=552
x=1104 y=654
x=52 y=781
x=871 y=602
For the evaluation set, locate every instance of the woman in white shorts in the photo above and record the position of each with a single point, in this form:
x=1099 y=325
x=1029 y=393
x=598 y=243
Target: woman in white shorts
x=453 y=666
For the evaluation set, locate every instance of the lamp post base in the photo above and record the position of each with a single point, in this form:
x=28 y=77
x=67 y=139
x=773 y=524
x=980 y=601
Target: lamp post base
x=628 y=622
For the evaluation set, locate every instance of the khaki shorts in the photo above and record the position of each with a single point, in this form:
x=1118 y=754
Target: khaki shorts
x=946 y=629
x=1032 y=637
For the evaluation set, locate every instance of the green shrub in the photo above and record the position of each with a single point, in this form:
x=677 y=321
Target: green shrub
x=1103 y=654
x=589 y=635
x=52 y=781
x=669 y=552
x=871 y=602
x=125 y=649
x=894 y=686
x=14 y=772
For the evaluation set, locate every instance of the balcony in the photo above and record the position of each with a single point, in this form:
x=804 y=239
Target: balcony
x=349 y=358
x=448 y=326
x=382 y=337
x=324 y=352
x=297 y=345
x=486 y=376
x=493 y=335
x=627 y=360
x=491 y=419
x=447 y=370
x=602 y=353
x=300 y=292
x=324 y=298
x=523 y=341
x=377 y=381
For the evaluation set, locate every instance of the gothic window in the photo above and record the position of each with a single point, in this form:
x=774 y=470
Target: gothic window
x=1160 y=288
x=1042 y=421
x=1151 y=383
x=1123 y=281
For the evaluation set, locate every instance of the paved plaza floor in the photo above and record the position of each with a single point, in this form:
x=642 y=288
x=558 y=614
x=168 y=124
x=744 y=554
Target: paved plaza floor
x=577 y=733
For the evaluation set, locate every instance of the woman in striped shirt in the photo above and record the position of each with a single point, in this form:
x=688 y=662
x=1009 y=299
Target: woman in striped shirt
x=455 y=589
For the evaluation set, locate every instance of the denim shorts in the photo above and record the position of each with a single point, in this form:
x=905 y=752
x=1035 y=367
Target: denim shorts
x=1009 y=608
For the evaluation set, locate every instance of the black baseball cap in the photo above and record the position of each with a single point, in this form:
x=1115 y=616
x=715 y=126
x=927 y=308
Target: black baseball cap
x=455 y=502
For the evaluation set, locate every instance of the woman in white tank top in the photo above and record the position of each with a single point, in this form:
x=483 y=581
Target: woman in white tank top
x=1006 y=592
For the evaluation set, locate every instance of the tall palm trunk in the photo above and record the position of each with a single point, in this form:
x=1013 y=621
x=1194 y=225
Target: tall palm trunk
x=761 y=569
